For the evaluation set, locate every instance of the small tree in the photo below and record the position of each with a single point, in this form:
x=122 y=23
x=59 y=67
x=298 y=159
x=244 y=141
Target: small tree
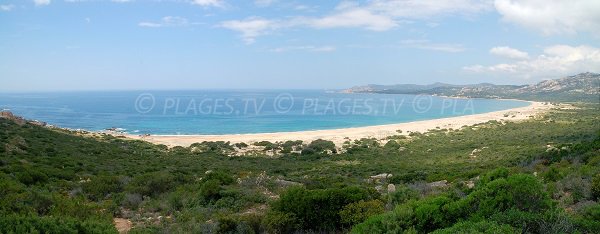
x=319 y=146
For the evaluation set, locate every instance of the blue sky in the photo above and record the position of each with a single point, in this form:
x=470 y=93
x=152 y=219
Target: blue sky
x=205 y=44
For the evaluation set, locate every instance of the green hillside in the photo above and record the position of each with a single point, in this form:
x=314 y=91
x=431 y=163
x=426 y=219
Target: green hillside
x=536 y=176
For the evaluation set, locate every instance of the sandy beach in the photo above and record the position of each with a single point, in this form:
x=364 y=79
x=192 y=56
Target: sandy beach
x=339 y=136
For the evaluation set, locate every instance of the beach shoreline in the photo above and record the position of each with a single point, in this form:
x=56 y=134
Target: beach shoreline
x=339 y=136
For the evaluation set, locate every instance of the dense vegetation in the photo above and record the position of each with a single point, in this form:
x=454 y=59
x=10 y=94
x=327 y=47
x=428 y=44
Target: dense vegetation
x=536 y=176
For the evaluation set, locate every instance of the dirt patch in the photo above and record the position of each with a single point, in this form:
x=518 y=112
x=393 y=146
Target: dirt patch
x=122 y=225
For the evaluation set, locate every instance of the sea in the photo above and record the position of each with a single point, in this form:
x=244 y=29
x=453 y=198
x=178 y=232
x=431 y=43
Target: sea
x=217 y=112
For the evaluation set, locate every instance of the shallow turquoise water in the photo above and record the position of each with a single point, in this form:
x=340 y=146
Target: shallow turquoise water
x=236 y=111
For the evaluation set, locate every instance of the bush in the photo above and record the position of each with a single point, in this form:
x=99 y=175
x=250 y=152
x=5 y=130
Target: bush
x=589 y=221
x=211 y=185
x=400 y=220
x=358 y=212
x=249 y=223
x=101 y=186
x=31 y=176
x=524 y=221
x=498 y=173
x=223 y=177
x=37 y=224
x=267 y=144
x=431 y=214
x=550 y=221
x=552 y=174
x=226 y=225
x=279 y=222
x=318 y=209
x=210 y=190
x=212 y=146
x=40 y=201
x=152 y=184
x=132 y=201
x=319 y=146
x=401 y=195
x=409 y=177
x=518 y=198
x=596 y=187
x=289 y=146
x=392 y=145
x=478 y=227
x=522 y=192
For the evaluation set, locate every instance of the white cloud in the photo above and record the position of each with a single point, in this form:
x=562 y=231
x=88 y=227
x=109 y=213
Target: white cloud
x=382 y=15
x=375 y=15
x=345 y=16
x=149 y=24
x=474 y=68
x=427 y=45
x=556 y=59
x=305 y=48
x=552 y=17
x=354 y=18
x=507 y=52
x=421 y=9
x=264 y=3
x=209 y=3
x=7 y=7
x=41 y=2
x=80 y=1
x=250 y=28
x=253 y=27
x=301 y=7
x=167 y=21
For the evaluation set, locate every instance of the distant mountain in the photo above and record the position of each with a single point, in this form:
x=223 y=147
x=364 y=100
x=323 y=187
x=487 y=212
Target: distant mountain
x=582 y=87
x=396 y=88
x=585 y=83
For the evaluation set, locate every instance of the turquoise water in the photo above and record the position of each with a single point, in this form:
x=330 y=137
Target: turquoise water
x=236 y=111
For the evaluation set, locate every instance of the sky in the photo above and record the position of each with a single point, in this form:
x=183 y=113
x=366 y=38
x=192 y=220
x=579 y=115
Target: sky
x=55 y=45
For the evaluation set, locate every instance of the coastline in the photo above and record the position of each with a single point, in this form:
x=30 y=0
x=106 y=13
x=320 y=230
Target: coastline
x=339 y=136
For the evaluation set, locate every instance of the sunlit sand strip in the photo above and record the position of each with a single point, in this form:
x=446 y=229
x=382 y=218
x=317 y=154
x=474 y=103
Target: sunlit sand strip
x=339 y=136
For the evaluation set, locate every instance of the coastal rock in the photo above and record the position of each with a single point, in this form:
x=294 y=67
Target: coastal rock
x=550 y=148
x=391 y=188
x=381 y=176
x=477 y=151
x=9 y=115
x=6 y=114
x=438 y=184
x=286 y=183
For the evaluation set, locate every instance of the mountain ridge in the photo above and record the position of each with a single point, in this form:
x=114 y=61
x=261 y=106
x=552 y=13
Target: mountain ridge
x=581 y=87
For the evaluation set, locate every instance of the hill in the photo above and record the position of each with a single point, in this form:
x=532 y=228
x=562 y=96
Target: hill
x=58 y=181
x=583 y=87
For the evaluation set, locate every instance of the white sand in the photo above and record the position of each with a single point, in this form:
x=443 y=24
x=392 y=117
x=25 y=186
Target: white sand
x=338 y=136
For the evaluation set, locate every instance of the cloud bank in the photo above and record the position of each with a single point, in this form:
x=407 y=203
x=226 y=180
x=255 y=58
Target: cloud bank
x=556 y=59
x=552 y=17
